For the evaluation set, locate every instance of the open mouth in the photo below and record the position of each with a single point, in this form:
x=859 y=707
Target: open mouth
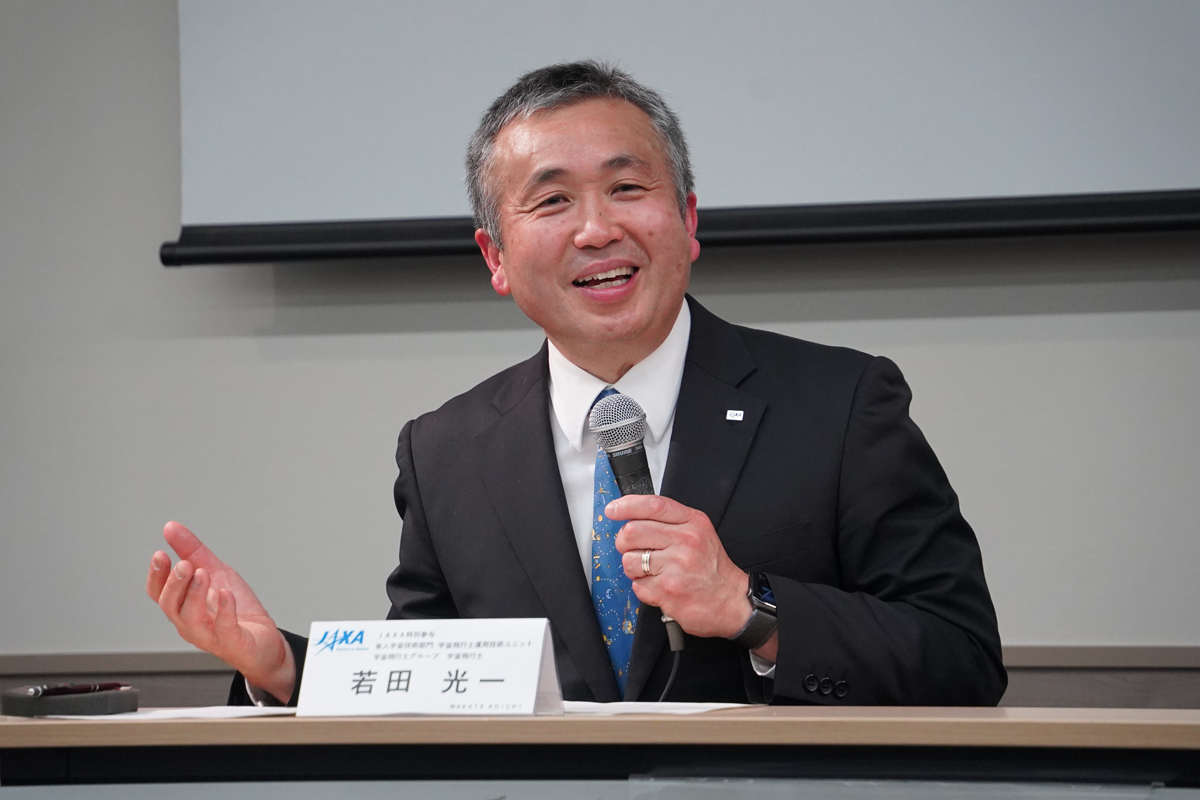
x=607 y=280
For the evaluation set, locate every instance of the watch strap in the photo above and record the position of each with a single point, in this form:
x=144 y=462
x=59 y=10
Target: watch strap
x=758 y=630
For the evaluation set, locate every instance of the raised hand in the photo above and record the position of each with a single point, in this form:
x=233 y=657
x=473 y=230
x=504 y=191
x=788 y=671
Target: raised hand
x=215 y=610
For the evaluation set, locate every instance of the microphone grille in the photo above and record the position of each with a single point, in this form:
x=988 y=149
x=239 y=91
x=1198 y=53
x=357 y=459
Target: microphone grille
x=617 y=421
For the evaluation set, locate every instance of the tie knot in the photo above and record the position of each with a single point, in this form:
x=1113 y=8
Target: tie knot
x=608 y=391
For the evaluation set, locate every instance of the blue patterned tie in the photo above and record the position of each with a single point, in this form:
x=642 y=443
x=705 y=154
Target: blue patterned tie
x=612 y=590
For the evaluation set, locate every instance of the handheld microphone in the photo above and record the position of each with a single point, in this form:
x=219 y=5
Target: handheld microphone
x=619 y=425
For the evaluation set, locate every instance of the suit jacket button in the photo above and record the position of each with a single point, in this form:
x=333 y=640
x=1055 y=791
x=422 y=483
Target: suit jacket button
x=826 y=686
x=810 y=683
x=841 y=689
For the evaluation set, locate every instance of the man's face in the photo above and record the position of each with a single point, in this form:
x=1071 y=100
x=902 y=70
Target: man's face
x=595 y=250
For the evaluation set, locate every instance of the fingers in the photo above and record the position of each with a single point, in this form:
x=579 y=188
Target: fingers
x=650 y=506
x=189 y=547
x=659 y=589
x=649 y=593
x=170 y=599
x=194 y=611
x=635 y=562
x=644 y=535
x=183 y=601
x=156 y=578
x=664 y=572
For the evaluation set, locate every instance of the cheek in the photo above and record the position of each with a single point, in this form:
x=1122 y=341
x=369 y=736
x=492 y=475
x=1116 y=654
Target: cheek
x=521 y=264
x=667 y=234
x=539 y=249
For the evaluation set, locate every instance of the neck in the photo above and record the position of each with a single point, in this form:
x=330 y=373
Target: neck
x=609 y=361
x=608 y=366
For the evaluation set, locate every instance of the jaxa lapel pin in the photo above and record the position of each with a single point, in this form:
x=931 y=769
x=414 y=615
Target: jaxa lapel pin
x=735 y=415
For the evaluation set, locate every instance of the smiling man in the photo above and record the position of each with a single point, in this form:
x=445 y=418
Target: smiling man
x=805 y=539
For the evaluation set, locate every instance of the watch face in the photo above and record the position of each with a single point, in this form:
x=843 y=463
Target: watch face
x=761 y=594
x=762 y=588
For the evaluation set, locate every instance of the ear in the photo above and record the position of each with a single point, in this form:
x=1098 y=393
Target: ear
x=690 y=223
x=495 y=261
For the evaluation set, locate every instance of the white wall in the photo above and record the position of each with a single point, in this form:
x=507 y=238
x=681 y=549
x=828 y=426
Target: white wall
x=260 y=404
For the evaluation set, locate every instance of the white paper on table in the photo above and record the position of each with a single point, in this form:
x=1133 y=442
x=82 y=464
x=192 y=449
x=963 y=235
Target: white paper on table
x=200 y=712
x=612 y=709
x=577 y=707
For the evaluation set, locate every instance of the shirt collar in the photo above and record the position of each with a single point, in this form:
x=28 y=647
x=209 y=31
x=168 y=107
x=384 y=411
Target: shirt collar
x=653 y=383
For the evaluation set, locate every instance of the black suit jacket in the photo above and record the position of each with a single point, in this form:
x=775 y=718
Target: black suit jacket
x=825 y=485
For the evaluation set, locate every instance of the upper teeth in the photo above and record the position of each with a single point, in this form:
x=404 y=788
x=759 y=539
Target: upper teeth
x=612 y=273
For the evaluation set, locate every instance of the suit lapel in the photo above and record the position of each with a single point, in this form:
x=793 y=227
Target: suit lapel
x=707 y=449
x=520 y=470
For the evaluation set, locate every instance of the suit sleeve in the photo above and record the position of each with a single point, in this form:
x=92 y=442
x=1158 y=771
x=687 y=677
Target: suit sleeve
x=912 y=622
x=417 y=587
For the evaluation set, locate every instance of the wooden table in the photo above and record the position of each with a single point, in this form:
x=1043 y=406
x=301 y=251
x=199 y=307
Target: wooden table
x=1094 y=745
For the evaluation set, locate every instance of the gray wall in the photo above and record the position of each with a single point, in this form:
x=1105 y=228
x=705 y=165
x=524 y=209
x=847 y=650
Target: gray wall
x=1056 y=378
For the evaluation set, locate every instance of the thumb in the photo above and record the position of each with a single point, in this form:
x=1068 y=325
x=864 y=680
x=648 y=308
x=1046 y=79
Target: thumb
x=189 y=547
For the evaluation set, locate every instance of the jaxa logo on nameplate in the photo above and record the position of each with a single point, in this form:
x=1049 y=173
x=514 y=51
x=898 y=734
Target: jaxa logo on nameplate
x=338 y=639
x=444 y=666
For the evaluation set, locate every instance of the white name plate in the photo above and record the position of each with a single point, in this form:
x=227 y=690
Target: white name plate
x=437 y=666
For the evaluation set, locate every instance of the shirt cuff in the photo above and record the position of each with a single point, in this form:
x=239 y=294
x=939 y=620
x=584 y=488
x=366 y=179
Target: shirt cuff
x=762 y=667
x=263 y=698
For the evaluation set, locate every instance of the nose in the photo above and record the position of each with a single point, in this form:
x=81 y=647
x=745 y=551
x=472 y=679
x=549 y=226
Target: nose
x=597 y=227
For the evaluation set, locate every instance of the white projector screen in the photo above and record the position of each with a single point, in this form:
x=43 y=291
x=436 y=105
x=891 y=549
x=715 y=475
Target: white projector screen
x=331 y=110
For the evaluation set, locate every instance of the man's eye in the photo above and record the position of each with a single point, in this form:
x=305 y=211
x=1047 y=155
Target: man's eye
x=628 y=187
x=557 y=199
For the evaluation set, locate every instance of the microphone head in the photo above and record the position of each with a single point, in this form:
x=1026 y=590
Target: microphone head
x=617 y=421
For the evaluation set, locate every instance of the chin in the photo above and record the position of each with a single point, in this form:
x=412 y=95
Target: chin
x=625 y=330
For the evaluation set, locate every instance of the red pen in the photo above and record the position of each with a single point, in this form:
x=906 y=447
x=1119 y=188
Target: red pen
x=74 y=688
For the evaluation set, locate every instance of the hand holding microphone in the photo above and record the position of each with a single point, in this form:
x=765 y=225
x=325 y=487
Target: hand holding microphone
x=690 y=577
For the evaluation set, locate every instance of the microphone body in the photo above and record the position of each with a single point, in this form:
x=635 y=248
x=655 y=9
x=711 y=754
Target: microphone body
x=631 y=469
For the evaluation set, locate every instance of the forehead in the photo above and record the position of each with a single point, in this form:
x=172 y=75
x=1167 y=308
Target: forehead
x=575 y=138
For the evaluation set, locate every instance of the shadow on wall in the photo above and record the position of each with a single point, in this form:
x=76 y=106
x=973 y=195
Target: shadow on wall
x=887 y=280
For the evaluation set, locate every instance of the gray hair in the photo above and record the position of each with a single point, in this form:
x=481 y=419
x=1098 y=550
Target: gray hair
x=554 y=87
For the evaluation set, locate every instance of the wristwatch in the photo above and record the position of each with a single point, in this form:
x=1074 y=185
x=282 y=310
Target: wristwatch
x=763 y=620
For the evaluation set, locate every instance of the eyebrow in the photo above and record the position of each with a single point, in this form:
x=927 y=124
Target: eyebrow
x=625 y=160
x=551 y=174
x=543 y=177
